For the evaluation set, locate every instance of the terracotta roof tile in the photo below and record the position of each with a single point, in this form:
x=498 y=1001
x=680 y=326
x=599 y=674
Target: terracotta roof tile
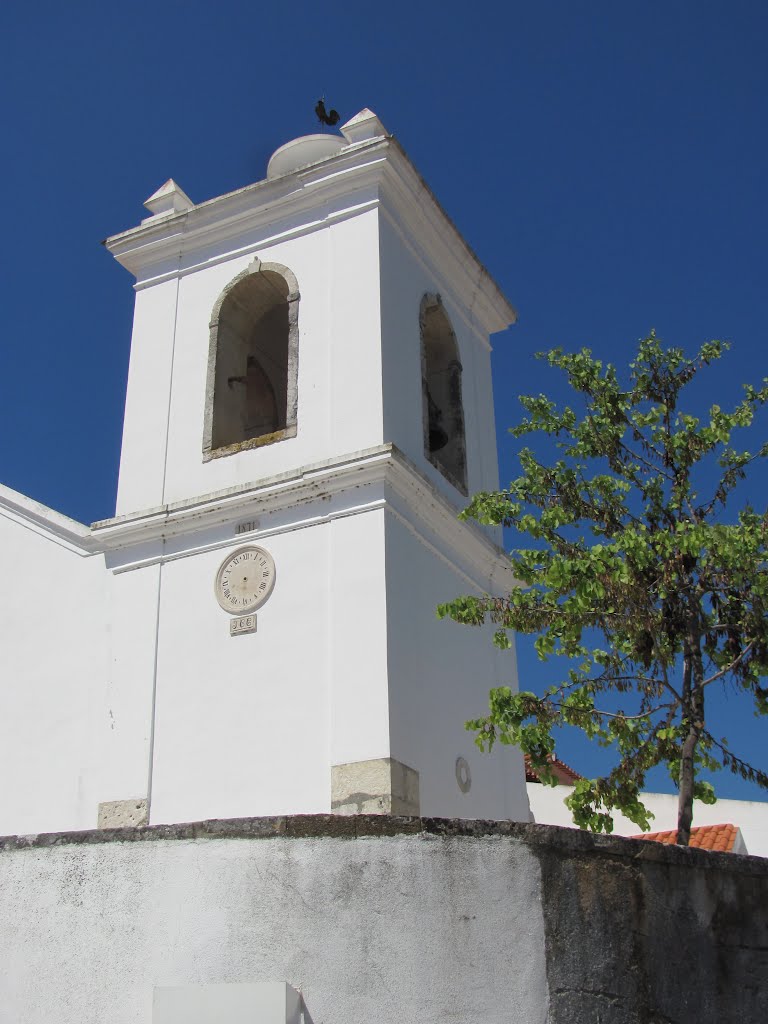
x=565 y=776
x=720 y=838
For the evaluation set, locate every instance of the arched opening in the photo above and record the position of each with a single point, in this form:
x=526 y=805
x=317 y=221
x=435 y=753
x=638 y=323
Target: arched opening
x=253 y=362
x=443 y=412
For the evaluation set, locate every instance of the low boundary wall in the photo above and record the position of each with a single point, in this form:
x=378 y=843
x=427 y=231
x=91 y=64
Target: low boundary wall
x=382 y=919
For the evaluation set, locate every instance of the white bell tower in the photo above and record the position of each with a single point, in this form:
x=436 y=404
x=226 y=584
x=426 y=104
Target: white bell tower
x=309 y=402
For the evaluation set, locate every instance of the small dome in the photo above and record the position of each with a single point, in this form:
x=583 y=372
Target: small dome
x=307 y=149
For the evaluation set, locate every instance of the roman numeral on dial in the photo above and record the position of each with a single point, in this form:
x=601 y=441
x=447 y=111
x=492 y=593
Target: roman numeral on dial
x=243 y=587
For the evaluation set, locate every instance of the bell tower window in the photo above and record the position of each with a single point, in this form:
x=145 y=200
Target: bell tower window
x=443 y=412
x=251 y=393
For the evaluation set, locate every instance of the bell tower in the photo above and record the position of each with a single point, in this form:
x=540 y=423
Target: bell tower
x=309 y=404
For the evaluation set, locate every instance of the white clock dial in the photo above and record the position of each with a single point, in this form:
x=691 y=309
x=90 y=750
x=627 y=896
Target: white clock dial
x=245 y=580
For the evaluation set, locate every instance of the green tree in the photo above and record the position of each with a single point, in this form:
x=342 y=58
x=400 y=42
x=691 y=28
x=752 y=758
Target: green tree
x=633 y=577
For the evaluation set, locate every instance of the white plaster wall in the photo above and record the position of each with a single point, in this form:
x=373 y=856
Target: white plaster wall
x=125 y=711
x=250 y=725
x=356 y=616
x=408 y=929
x=405 y=279
x=145 y=424
x=353 y=402
x=54 y=660
x=440 y=674
x=750 y=816
x=339 y=381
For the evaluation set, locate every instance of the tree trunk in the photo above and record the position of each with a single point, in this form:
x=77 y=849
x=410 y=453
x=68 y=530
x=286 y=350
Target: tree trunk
x=685 y=799
x=693 y=717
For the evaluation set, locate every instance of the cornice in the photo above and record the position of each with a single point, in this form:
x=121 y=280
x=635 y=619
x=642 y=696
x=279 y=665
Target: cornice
x=257 y=206
x=271 y=494
x=52 y=525
x=395 y=484
x=357 y=178
x=405 y=492
x=419 y=217
x=437 y=519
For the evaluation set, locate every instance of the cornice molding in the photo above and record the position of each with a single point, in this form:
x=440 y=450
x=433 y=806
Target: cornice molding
x=420 y=219
x=54 y=526
x=359 y=177
x=276 y=493
x=264 y=203
x=393 y=484
x=402 y=489
x=438 y=522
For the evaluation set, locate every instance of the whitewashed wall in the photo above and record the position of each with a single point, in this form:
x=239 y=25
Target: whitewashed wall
x=368 y=930
x=251 y=724
x=125 y=712
x=439 y=676
x=54 y=663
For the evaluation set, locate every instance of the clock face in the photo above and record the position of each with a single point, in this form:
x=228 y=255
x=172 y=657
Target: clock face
x=245 y=580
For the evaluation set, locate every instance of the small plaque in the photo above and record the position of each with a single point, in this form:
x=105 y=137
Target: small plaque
x=249 y=527
x=245 y=624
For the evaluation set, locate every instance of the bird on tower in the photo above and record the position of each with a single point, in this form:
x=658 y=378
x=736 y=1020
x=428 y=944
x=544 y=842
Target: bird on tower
x=329 y=117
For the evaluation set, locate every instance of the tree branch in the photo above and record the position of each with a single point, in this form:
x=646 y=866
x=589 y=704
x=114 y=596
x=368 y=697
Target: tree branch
x=729 y=668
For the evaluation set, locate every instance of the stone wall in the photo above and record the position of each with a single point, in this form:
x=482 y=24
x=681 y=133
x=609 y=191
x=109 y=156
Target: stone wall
x=380 y=919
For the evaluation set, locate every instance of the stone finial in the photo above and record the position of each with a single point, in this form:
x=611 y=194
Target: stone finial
x=169 y=198
x=363 y=126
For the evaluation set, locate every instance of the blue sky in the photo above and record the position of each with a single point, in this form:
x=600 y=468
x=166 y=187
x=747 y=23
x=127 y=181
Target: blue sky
x=606 y=161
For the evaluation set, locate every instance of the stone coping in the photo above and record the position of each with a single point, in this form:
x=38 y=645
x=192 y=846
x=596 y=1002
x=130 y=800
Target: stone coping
x=551 y=838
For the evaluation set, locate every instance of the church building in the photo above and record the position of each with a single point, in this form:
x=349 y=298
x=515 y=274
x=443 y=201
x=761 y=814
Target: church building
x=253 y=633
x=237 y=784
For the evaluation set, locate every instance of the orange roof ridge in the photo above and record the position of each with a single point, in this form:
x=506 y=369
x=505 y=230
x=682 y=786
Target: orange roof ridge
x=565 y=775
x=720 y=838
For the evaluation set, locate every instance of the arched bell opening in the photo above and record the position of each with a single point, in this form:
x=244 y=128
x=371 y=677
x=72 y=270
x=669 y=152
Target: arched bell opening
x=253 y=362
x=443 y=411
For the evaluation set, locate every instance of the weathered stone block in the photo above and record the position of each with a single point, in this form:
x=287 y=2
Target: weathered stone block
x=122 y=814
x=381 y=786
